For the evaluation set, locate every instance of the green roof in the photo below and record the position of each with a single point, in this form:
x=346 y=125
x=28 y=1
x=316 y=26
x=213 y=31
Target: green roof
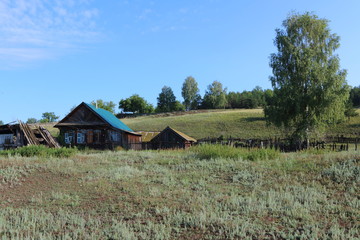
x=109 y=118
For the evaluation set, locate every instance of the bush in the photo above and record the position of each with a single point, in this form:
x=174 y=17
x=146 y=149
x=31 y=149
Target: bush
x=210 y=151
x=40 y=151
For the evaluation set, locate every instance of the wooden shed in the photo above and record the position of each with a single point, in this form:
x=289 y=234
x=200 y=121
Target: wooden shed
x=170 y=138
x=94 y=127
x=20 y=134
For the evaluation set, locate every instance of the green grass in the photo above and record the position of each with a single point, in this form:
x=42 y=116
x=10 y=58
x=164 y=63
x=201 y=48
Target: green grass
x=216 y=123
x=181 y=195
x=239 y=123
x=40 y=151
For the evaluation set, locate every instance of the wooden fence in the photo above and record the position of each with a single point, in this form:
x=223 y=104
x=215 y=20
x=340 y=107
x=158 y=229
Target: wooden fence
x=334 y=143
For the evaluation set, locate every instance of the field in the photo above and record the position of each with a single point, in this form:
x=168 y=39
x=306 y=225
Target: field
x=181 y=195
x=239 y=123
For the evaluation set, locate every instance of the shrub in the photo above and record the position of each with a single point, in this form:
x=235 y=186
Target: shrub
x=209 y=151
x=40 y=151
x=262 y=154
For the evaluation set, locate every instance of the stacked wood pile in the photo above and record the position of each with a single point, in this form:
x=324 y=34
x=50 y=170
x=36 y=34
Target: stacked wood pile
x=28 y=134
x=38 y=136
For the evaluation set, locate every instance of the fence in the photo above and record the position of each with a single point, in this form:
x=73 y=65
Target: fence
x=338 y=143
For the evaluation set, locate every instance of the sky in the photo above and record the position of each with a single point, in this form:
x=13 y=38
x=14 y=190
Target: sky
x=55 y=54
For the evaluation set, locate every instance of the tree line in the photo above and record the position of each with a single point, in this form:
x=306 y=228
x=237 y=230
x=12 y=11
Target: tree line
x=215 y=97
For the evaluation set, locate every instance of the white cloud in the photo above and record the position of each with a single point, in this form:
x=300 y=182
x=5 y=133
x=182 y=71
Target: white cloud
x=33 y=30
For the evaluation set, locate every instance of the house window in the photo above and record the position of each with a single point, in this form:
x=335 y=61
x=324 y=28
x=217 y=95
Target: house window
x=80 y=137
x=69 y=137
x=6 y=138
x=114 y=136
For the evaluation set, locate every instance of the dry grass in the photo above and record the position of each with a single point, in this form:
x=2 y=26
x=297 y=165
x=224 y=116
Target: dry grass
x=175 y=195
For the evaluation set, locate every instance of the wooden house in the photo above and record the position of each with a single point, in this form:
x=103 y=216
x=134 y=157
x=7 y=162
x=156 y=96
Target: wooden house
x=170 y=138
x=94 y=127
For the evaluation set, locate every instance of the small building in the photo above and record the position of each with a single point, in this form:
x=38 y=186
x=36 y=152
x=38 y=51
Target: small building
x=11 y=136
x=146 y=138
x=170 y=138
x=94 y=127
x=21 y=134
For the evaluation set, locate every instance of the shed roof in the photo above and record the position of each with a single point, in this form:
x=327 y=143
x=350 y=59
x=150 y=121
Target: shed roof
x=147 y=136
x=181 y=134
x=109 y=118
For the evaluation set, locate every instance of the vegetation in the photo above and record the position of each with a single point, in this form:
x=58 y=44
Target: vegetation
x=136 y=104
x=355 y=96
x=1 y=122
x=215 y=96
x=310 y=90
x=176 y=195
x=190 y=93
x=211 y=151
x=167 y=101
x=48 y=117
x=32 y=120
x=108 y=106
x=248 y=99
x=40 y=151
x=239 y=123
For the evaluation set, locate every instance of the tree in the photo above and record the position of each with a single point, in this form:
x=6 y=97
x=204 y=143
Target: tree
x=355 y=96
x=178 y=106
x=1 y=122
x=350 y=110
x=136 y=104
x=215 y=96
x=310 y=90
x=166 y=100
x=190 y=93
x=108 y=106
x=48 y=117
x=32 y=120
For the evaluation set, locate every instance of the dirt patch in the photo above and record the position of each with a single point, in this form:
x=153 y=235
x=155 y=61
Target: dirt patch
x=32 y=185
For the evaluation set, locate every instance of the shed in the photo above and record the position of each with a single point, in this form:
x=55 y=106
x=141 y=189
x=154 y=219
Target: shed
x=94 y=127
x=21 y=134
x=169 y=138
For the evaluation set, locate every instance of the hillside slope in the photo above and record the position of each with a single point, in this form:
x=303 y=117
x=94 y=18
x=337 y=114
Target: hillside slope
x=239 y=123
x=235 y=123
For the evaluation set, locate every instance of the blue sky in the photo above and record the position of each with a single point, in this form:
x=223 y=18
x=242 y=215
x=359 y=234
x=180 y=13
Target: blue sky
x=54 y=54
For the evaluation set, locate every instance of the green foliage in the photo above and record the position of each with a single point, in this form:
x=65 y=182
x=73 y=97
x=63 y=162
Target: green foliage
x=310 y=90
x=48 y=117
x=350 y=110
x=355 y=96
x=190 y=93
x=178 y=106
x=248 y=99
x=166 y=100
x=215 y=96
x=40 y=151
x=31 y=120
x=213 y=151
x=136 y=104
x=108 y=106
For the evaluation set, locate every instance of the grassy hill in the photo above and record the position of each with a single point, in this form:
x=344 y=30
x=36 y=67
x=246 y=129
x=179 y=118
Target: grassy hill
x=240 y=123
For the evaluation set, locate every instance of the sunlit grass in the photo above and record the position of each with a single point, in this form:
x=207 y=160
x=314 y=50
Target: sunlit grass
x=177 y=195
